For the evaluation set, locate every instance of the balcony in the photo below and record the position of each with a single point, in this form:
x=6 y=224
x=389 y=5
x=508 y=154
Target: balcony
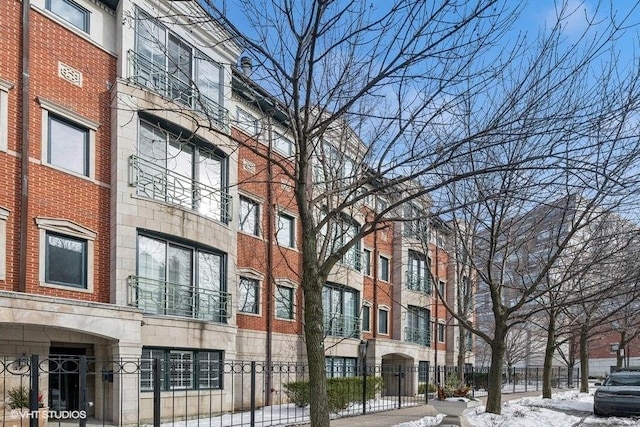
x=171 y=299
x=353 y=259
x=341 y=325
x=419 y=283
x=418 y=336
x=158 y=183
x=145 y=73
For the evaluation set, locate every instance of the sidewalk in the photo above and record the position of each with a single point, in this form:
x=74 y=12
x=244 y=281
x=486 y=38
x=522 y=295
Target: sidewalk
x=413 y=413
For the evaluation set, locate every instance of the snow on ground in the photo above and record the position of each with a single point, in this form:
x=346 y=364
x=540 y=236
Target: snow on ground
x=564 y=409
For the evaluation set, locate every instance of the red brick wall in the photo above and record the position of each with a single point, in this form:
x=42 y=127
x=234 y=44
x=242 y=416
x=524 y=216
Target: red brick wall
x=53 y=193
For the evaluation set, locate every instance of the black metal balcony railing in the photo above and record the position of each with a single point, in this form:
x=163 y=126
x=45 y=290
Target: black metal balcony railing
x=171 y=299
x=419 y=282
x=156 y=182
x=145 y=73
x=418 y=336
x=341 y=325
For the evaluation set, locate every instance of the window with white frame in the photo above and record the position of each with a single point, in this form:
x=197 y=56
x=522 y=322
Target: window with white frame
x=66 y=254
x=418 y=326
x=283 y=145
x=442 y=288
x=71 y=12
x=5 y=87
x=366 y=318
x=247 y=122
x=68 y=141
x=285 y=234
x=383 y=320
x=249 y=216
x=248 y=293
x=284 y=302
x=181 y=171
x=418 y=275
x=440 y=332
x=182 y=369
x=340 y=306
x=366 y=262
x=4 y=216
x=178 y=279
x=383 y=268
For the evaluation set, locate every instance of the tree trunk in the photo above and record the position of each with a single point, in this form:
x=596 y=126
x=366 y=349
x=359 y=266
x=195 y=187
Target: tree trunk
x=462 y=345
x=584 y=360
x=548 y=357
x=498 y=348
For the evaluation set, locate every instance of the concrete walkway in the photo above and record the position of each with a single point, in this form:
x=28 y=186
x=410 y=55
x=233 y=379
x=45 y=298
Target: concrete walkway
x=414 y=413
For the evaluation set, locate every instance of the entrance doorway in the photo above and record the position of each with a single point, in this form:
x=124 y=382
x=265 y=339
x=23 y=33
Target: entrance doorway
x=64 y=378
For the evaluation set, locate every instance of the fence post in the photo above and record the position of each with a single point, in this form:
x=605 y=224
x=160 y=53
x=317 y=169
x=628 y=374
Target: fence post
x=157 y=372
x=399 y=386
x=537 y=379
x=34 y=374
x=364 y=385
x=83 y=389
x=526 y=378
x=513 y=378
x=253 y=394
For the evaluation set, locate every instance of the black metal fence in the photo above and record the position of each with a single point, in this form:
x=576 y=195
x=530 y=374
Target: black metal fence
x=176 y=388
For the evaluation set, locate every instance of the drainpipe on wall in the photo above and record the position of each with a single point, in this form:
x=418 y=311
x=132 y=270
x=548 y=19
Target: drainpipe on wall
x=24 y=170
x=269 y=277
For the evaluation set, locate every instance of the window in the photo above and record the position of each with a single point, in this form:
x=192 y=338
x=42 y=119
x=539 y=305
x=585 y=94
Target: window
x=442 y=288
x=248 y=295
x=340 y=306
x=286 y=232
x=247 y=122
x=418 y=276
x=180 y=280
x=423 y=371
x=366 y=318
x=283 y=145
x=284 y=302
x=440 y=332
x=181 y=172
x=415 y=225
x=68 y=146
x=5 y=87
x=338 y=367
x=418 y=326
x=4 y=215
x=345 y=230
x=182 y=369
x=66 y=254
x=166 y=64
x=71 y=12
x=366 y=262
x=66 y=261
x=383 y=272
x=249 y=216
x=383 y=321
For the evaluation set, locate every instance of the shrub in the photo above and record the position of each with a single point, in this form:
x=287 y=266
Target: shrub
x=453 y=387
x=18 y=397
x=424 y=387
x=341 y=391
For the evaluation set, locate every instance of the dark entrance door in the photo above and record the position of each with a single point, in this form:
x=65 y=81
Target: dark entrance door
x=64 y=378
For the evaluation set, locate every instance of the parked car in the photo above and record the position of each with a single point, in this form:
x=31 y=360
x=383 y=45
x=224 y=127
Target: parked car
x=619 y=394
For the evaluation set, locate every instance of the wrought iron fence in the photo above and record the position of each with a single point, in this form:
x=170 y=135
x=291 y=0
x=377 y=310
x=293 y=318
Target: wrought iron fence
x=172 y=388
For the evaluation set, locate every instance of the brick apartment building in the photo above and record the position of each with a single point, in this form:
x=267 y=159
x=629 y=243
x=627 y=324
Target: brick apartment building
x=133 y=224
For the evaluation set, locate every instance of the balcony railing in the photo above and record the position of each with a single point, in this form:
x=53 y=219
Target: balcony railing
x=353 y=259
x=418 y=336
x=145 y=73
x=171 y=299
x=156 y=182
x=418 y=282
x=341 y=325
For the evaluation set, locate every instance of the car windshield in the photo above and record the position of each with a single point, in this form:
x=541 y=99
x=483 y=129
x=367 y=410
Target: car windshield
x=623 y=380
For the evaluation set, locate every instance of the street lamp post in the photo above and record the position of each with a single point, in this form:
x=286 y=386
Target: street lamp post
x=362 y=350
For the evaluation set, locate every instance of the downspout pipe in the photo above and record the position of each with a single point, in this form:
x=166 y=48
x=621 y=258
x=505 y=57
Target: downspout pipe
x=24 y=169
x=270 y=280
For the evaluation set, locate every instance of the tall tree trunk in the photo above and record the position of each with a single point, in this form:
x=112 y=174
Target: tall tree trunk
x=584 y=360
x=498 y=348
x=548 y=357
x=462 y=345
x=312 y=283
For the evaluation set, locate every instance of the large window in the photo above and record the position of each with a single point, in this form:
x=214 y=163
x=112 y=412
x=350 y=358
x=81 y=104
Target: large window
x=249 y=216
x=165 y=63
x=366 y=318
x=337 y=367
x=283 y=145
x=247 y=122
x=418 y=276
x=248 y=295
x=71 y=12
x=441 y=332
x=418 y=326
x=285 y=233
x=182 y=369
x=284 y=302
x=415 y=224
x=340 y=306
x=181 y=172
x=423 y=371
x=180 y=280
x=68 y=145
x=366 y=262
x=383 y=267
x=66 y=261
x=383 y=321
